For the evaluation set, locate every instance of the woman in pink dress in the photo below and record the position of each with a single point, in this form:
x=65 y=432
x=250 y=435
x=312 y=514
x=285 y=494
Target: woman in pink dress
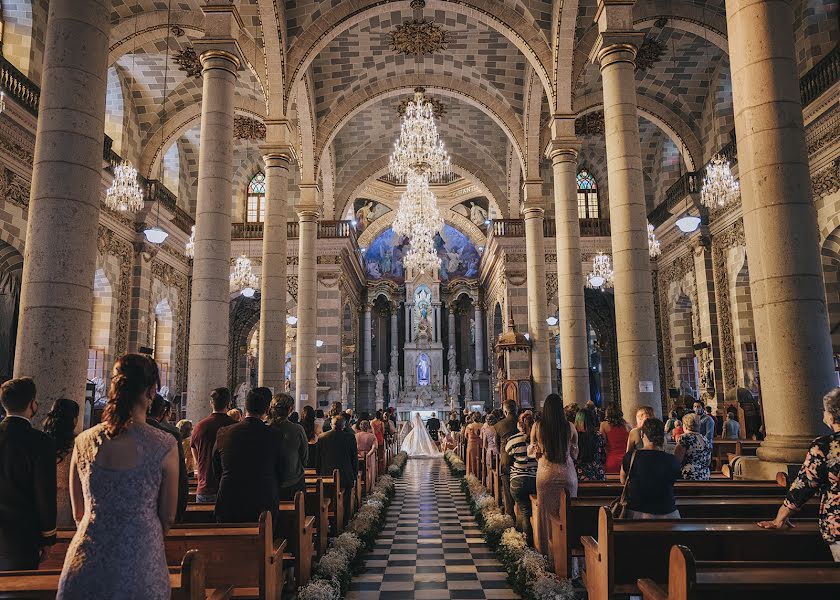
x=473 y=434
x=616 y=431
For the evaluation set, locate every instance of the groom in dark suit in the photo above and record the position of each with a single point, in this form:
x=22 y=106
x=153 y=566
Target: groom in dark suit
x=27 y=480
x=433 y=425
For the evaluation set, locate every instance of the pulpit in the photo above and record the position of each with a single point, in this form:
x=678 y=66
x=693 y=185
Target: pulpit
x=513 y=367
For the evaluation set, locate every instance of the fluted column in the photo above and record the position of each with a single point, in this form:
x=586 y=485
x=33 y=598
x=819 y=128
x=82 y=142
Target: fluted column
x=780 y=226
x=60 y=256
x=574 y=347
x=272 y=372
x=368 y=328
x=479 y=338
x=211 y=265
x=534 y=216
x=615 y=52
x=308 y=214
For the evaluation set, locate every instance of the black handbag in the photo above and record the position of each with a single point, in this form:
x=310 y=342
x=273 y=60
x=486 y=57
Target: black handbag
x=618 y=507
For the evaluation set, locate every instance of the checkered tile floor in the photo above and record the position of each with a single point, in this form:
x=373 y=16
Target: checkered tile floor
x=431 y=547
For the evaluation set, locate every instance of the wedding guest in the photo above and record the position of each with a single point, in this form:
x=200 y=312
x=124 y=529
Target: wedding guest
x=60 y=425
x=235 y=414
x=488 y=440
x=616 y=432
x=693 y=451
x=317 y=430
x=378 y=428
x=27 y=480
x=365 y=439
x=124 y=492
x=673 y=419
x=307 y=420
x=819 y=474
x=707 y=422
x=338 y=450
x=454 y=424
x=677 y=432
x=554 y=444
x=523 y=474
x=592 y=453
x=185 y=428
x=731 y=427
x=473 y=434
x=505 y=428
x=248 y=461
x=433 y=425
x=158 y=410
x=294 y=447
x=652 y=474
x=203 y=442
x=634 y=440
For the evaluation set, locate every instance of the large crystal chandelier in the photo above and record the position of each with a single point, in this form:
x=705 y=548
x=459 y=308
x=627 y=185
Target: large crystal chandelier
x=719 y=184
x=418 y=211
x=602 y=273
x=243 y=277
x=419 y=151
x=125 y=194
x=654 y=247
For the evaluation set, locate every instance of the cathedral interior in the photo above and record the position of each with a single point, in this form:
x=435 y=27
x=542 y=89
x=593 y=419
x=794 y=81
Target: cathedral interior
x=606 y=234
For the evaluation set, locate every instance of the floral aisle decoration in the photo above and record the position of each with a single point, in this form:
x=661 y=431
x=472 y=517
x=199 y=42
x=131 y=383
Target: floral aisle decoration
x=528 y=570
x=456 y=465
x=345 y=556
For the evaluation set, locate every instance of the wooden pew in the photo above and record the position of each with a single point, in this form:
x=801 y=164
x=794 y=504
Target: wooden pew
x=299 y=530
x=713 y=487
x=578 y=517
x=187 y=581
x=318 y=505
x=369 y=467
x=243 y=556
x=630 y=550
x=692 y=580
x=335 y=493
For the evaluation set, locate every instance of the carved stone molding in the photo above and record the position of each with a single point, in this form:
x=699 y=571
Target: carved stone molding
x=438 y=109
x=515 y=258
x=244 y=315
x=292 y=260
x=826 y=181
x=551 y=283
x=14 y=188
x=171 y=278
x=721 y=243
x=418 y=37
x=292 y=286
x=107 y=243
x=247 y=128
x=676 y=271
x=329 y=259
x=649 y=53
x=188 y=62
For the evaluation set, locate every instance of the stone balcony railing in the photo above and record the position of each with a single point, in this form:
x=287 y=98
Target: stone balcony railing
x=515 y=228
x=326 y=230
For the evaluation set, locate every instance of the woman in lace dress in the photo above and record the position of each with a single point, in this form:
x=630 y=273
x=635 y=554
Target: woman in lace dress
x=60 y=425
x=693 y=450
x=554 y=443
x=124 y=488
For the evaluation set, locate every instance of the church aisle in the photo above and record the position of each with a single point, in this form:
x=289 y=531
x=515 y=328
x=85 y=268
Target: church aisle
x=431 y=547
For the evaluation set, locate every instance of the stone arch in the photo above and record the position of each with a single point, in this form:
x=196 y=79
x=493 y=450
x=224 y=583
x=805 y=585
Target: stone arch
x=24 y=27
x=830 y=254
x=565 y=22
x=101 y=329
x=533 y=113
x=743 y=324
x=164 y=338
x=475 y=235
x=681 y=314
x=347 y=107
x=343 y=15
x=11 y=273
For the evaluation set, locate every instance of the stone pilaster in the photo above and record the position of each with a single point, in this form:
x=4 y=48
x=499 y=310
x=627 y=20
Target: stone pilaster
x=780 y=227
x=534 y=215
x=574 y=346
x=308 y=214
x=273 y=287
x=60 y=257
x=367 y=338
x=615 y=52
x=479 y=338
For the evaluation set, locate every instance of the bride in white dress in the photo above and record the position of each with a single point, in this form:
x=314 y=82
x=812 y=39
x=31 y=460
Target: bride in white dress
x=418 y=442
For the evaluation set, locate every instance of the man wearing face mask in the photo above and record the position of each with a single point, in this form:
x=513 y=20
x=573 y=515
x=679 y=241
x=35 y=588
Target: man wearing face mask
x=707 y=423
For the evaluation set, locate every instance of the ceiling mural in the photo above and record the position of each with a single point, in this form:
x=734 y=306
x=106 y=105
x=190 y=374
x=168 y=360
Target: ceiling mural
x=366 y=211
x=458 y=256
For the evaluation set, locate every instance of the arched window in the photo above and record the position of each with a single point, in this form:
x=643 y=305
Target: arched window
x=587 y=194
x=256 y=199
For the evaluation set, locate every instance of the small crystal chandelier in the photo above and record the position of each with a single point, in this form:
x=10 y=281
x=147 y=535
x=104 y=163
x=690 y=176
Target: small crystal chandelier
x=189 y=250
x=602 y=273
x=654 y=247
x=243 y=277
x=419 y=151
x=125 y=194
x=719 y=185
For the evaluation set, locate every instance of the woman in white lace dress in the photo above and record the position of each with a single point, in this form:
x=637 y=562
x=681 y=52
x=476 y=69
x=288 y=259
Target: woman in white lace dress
x=123 y=488
x=418 y=442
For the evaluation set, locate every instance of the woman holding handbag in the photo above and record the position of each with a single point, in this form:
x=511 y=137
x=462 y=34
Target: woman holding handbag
x=649 y=475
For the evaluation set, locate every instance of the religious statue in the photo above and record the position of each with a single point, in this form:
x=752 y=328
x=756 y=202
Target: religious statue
x=424 y=329
x=363 y=215
x=435 y=382
x=454 y=383
x=393 y=384
x=345 y=388
x=450 y=357
x=241 y=392
x=477 y=214
x=380 y=389
x=472 y=331
x=468 y=391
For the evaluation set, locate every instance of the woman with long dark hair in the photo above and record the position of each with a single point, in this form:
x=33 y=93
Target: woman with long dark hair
x=307 y=421
x=60 y=425
x=616 y=431
x=124 y=490
x=592 y=452
x=554 y=444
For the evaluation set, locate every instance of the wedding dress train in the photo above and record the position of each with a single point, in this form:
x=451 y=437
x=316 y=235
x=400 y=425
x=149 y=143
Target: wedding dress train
x=418 y=442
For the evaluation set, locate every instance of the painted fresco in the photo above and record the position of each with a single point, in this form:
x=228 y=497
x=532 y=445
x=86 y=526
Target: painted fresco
x=366 y=212
x=458 y=256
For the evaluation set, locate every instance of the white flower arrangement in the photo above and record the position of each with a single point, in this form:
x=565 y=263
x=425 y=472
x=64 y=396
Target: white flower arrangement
x=348 y=544
x=319 y=589
x=514 y=541
x=549 y=587
x=497 y=522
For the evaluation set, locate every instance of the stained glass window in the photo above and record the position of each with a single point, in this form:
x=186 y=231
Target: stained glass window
x=255 y=212
x=587 y=196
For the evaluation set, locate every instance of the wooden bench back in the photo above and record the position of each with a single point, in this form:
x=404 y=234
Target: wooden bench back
x=295 y=526
x=713 y=487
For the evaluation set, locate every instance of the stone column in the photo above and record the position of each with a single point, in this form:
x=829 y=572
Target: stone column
x=368 y=338
x=780 y=226
x=211 y=266
x=272 y=372
x=615 y=52
x=407 y=323
x=451 y=325
x=534 y=216
x=60 y=257
x=395 y=331
x=574 y=347
x=437 y=322
x=308 y=213
x=479 y=338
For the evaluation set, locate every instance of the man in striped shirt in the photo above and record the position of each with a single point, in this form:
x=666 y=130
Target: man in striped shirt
x=523 y=473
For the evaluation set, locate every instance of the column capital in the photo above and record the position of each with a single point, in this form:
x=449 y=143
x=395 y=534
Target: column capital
x=308 y=208
x=563 y=150
x=533 y=212
x=533 y=196
x=277 y=155
x=216 y=57
x=616 y=46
